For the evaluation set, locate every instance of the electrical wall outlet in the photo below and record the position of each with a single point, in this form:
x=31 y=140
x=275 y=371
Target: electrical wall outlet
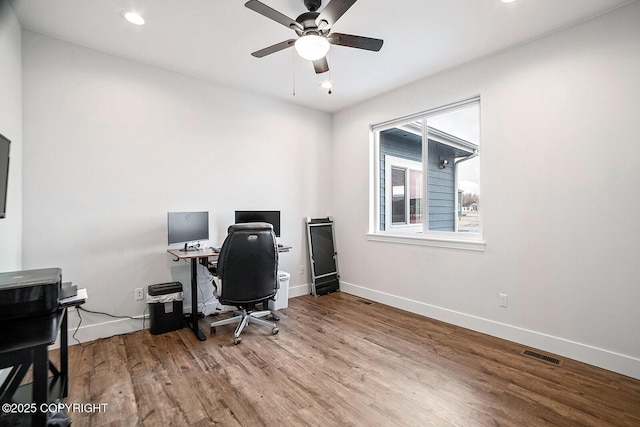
x=301 y=270
x=503 y=300
x=139 y=294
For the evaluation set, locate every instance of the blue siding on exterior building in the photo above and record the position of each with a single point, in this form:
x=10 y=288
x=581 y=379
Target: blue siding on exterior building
x=441 y=192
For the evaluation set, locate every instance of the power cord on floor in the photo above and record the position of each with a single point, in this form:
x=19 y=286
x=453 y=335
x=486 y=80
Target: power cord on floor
x=78 y=309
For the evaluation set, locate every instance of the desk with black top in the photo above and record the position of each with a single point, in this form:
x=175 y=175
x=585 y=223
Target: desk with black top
x=25 y=342
x=201 y=256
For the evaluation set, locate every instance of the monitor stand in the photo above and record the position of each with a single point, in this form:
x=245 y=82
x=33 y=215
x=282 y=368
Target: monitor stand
x=189 y=248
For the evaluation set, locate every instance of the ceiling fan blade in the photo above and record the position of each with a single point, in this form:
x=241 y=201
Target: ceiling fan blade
x=332 y=12
x=321 y=65
x=273 y=14
x=273 y=49
x=359 y=42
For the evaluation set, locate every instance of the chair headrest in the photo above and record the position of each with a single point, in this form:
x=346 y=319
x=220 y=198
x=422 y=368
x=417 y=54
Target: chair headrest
x=252 y=226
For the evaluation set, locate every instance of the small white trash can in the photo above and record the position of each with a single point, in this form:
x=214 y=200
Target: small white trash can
x=282 y=296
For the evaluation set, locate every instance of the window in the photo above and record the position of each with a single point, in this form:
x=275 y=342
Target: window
x=405 y=193
x=428 y=191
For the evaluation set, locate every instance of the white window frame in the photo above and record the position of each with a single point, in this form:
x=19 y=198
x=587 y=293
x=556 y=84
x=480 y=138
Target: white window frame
x=400 y=163
x=396 y=234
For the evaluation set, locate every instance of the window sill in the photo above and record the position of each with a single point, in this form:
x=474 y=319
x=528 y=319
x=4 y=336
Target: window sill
x=436 y=242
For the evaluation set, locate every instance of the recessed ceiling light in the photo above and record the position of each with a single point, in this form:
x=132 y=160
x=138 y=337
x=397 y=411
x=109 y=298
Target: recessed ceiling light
x=326 y=84
x=508 y=1
x=133 y=17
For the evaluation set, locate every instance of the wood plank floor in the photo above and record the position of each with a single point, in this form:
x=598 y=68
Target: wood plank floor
x=340 y=360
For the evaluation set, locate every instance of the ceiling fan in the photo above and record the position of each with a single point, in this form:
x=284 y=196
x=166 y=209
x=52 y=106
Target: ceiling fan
x=314 y=31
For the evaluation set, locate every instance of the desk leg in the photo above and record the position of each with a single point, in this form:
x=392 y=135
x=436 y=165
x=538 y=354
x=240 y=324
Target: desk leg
x=193 y=322
x=64 y=353
x=40 y=383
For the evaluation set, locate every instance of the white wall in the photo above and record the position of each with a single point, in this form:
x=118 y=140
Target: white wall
x=112 y=145
x=11 y=127
x=560 y=175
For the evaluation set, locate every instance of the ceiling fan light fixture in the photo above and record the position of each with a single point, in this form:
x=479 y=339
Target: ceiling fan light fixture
x=133 y=17
x=312 y=47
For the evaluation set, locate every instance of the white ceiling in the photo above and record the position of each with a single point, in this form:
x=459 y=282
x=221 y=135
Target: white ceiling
x=213 y=39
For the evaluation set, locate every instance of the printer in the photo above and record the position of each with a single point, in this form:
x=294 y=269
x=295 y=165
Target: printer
x=29 y=293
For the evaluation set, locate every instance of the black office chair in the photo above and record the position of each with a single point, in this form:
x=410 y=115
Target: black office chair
x=248 y=269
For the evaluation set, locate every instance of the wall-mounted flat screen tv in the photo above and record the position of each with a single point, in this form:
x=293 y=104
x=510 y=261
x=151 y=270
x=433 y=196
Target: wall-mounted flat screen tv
x=4 y=174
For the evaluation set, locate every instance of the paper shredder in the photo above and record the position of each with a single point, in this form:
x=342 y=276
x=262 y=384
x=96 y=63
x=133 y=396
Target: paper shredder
x=165 y=307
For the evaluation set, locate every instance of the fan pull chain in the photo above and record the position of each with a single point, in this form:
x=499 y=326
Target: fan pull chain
x=294 y=73
x=330 y=78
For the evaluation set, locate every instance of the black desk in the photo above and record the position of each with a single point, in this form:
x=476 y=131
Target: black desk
x=25 y=342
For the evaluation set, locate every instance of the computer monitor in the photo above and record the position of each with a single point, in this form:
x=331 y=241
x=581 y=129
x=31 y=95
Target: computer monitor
x=187 y=228
x=272 y=217
x=4 y=174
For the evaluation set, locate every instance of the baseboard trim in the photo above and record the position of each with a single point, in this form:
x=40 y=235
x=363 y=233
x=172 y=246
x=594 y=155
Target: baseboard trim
x=93 y=331
x=625 y=365
x=620 y=363
x=299 y=290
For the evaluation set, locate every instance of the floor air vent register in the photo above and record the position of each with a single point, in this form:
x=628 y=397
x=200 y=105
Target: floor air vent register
x=543 y=357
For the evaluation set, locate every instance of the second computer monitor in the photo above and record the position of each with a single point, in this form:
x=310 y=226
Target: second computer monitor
x=272 y=217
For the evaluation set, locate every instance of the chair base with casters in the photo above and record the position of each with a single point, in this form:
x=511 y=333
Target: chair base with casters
x=244 y=318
